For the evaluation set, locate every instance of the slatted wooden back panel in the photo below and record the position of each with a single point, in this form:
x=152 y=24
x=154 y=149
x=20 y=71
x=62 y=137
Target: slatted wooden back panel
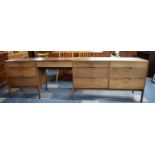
x=86 y=54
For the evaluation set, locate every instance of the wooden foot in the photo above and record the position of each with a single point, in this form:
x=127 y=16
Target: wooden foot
x=57 y=75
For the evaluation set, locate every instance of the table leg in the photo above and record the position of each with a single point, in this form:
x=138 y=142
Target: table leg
x=142 y=95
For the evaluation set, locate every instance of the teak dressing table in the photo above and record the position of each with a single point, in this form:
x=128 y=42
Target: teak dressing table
x=110 y=73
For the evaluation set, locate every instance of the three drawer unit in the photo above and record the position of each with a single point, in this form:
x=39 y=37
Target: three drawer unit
x=25 y=74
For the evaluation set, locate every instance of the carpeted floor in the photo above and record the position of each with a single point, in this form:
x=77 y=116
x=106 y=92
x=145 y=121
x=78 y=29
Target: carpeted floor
x=61 y=92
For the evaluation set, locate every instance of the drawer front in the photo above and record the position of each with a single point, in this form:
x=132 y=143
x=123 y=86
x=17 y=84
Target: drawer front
x=90 y=72
x=55 y=64
x=21 y=72
x=90 y=63
x=127 y=72
x=137 y=64
x=127 y=83
x=90 y=83
x=20 y=64
x=22 y=82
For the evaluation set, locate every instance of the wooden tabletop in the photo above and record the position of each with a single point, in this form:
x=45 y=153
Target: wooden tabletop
x=77 y=59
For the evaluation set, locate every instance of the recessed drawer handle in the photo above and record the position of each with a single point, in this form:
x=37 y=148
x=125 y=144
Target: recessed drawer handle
x=129 y=68
x=127 y=79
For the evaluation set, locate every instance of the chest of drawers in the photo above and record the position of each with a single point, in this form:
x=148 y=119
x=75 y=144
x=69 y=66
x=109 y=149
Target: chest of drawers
x=111 y=75
x=90 y=74
x=25 y=75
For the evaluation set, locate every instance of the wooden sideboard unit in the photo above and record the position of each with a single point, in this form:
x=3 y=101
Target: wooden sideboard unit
x=3 y=58
x=25 y=74
x=111 y=73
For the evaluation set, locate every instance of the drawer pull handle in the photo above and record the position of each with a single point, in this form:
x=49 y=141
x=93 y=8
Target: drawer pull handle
x=129 y=68
x=127 y=79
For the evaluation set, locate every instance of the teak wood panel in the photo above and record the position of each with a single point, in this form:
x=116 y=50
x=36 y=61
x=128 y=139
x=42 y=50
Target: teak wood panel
x=138 y=64
x=90 y=83
x=41 y=76
x=21 y=71
x=20 y=64
x=91 y=72
x=56 y=64
x=127 y=72
x=22 y=82
x=127 y=83
x=91 y=64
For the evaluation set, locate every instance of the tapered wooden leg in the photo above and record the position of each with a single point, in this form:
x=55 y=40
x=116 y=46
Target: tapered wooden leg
x=46 y=83
x=142 y=95
x=57 y=75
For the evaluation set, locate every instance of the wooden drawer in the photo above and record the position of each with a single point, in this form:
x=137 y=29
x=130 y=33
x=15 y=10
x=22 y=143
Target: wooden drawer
x=90 y=83
x=90 y=72
x=20 y=64
x=55 y=64
x=90 y=63
x=137 y=64
x=21 y=72
x=127 y=72
x=127 y=83
x=22 y=82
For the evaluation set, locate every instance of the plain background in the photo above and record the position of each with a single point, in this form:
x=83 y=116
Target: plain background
x=108 y=128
